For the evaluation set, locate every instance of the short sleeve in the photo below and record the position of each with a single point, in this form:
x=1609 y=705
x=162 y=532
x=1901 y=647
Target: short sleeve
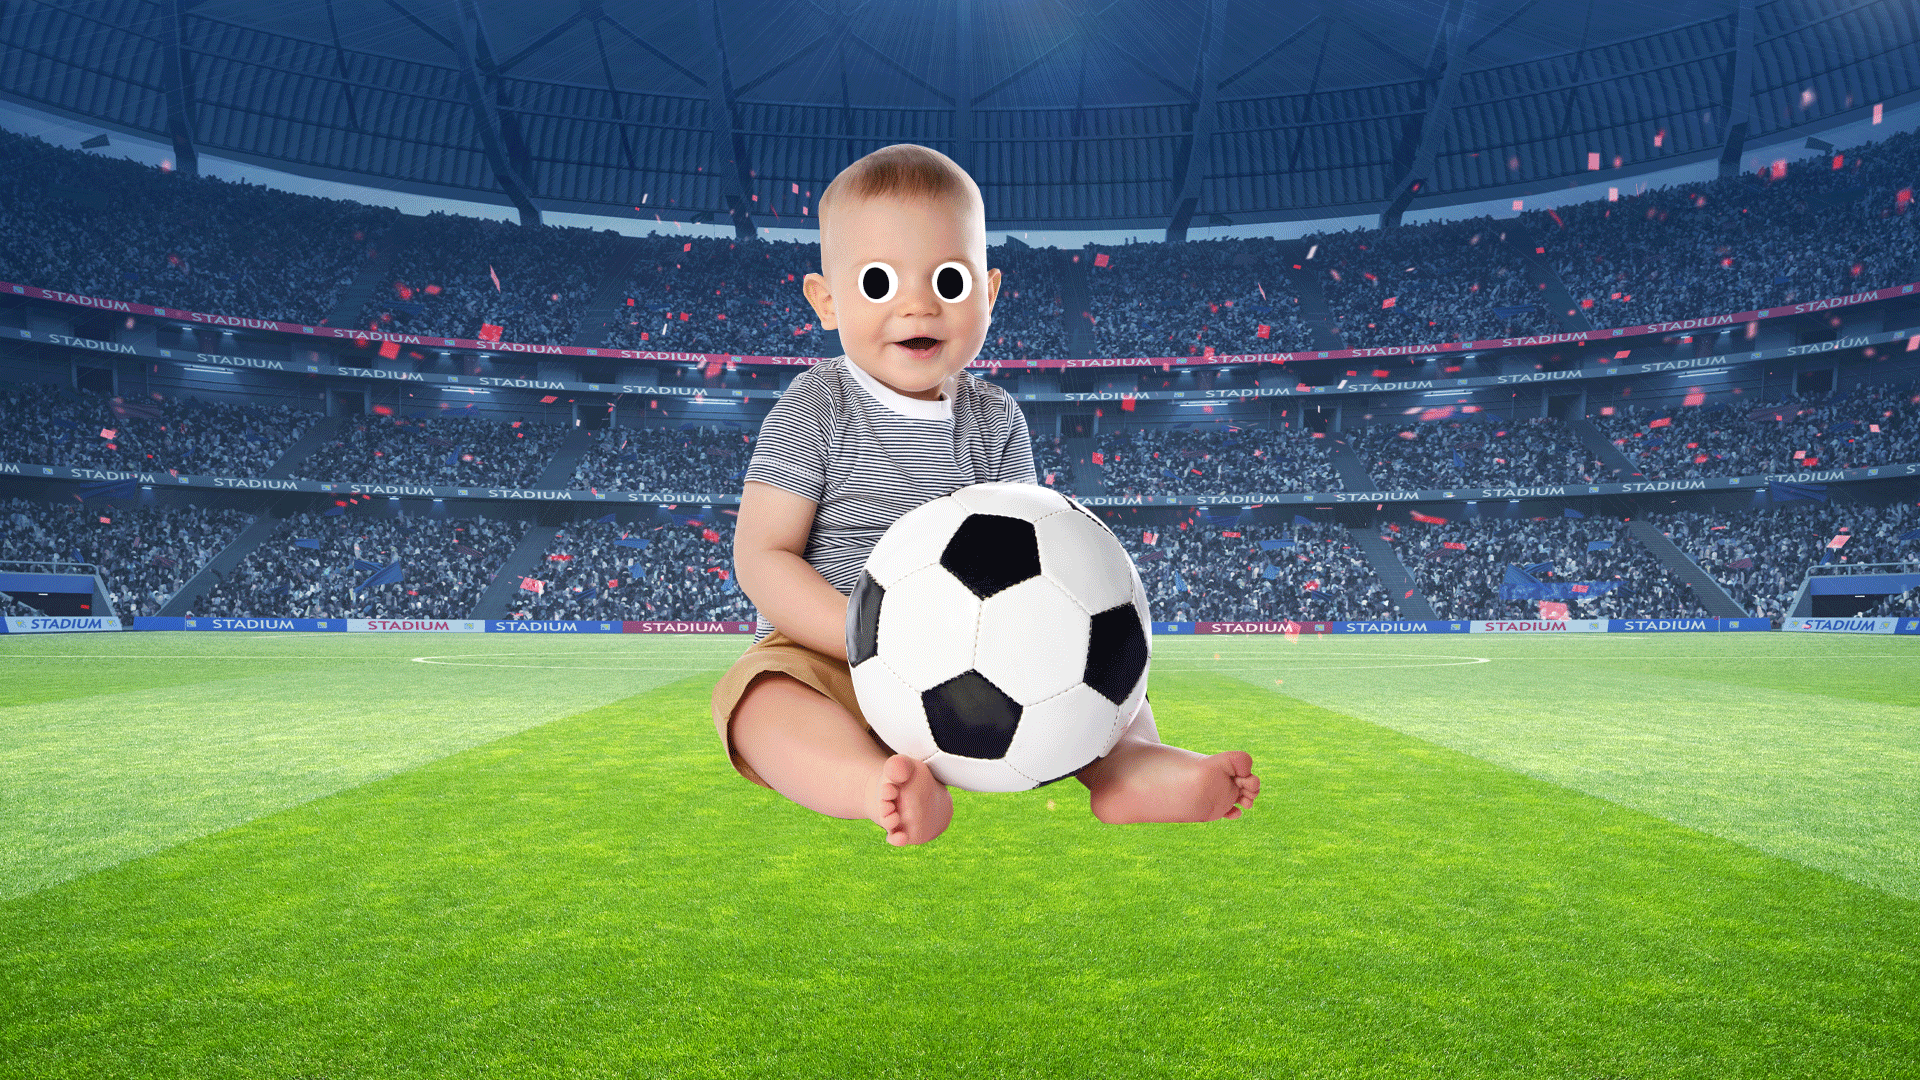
x=1016 y=460
x=791 y=451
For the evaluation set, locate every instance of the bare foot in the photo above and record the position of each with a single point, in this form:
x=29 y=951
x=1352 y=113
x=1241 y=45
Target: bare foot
x=1153 y=782
x=908 y=802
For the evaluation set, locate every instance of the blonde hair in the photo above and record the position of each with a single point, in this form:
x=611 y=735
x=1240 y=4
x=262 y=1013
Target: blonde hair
x=904 y=169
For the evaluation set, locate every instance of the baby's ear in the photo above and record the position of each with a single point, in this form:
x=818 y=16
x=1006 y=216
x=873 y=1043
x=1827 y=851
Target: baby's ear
x=993 y=286
x=815 y=286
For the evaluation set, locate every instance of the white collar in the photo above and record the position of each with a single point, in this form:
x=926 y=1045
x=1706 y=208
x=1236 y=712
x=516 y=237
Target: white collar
x=911 y=408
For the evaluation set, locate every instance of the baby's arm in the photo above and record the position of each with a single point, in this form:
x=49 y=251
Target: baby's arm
x=801 y=742
x=769 y=545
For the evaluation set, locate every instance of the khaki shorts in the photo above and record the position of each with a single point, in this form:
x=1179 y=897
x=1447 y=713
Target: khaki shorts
x=778 y=654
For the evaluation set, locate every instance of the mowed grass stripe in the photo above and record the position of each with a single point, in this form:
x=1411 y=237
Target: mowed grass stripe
x=163 y=737
x=1707 y=739
x=602 y=896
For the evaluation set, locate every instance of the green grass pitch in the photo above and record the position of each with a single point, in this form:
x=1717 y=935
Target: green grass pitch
x=346 y=856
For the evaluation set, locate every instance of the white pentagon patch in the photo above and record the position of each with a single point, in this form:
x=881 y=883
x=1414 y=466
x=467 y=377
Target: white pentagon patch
x=975 y=774
x=1033 y=641
x=893 y=709
x=915 y=540
x=1086 y=560
x=927 y=626
x=1064 y=733
x=1028 y=502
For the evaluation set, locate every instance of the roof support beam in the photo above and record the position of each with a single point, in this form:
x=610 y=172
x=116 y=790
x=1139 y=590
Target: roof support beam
x=1198 y=144
x=730 y=165
x=613 y=94
x=963 y=92
x=1272 y=50
x=496 y=84
x=842 y=21
x=1306 y=106
x=1081 y=26
x=1425 y=133
x=183 y=109
x=1739 y=90
x=345 y=86
x=468 y=38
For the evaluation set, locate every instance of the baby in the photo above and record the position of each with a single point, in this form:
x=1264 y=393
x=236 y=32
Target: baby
x=856 y=442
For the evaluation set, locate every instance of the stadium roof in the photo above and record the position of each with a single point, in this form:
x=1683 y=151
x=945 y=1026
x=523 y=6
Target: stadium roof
x=1071 y=113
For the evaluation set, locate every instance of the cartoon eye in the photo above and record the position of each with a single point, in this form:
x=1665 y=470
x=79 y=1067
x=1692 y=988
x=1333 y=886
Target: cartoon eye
x=952 y=281
x=879 y=282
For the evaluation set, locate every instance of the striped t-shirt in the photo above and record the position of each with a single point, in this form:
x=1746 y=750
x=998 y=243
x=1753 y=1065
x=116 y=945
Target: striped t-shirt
x=867 y=454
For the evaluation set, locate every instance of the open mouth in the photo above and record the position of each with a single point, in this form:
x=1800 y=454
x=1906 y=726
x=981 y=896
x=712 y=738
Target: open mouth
x=918 y=344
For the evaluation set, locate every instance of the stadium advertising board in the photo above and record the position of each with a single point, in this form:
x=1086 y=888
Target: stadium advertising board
x=1283 y=627
x=1540 y=626
x=1854 y=626
x=1484 y=626
x=59 y=624
x=1684 y=626
x=1604 y=367
x=1411 y=626
x=417 y=626
x=353 y=334
x=1224 y=498
x=409 y=626
x=321 y=626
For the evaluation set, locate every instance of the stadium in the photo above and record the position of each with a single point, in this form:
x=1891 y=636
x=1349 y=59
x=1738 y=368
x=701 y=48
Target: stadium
x=1511 y=409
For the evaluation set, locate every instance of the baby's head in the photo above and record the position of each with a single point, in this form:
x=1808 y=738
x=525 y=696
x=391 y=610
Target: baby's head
x=903 y=267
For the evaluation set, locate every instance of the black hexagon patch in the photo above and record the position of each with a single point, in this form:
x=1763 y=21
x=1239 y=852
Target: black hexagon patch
x=989 y=553
x=1116 y=652
x=863 y=620
x=971 y=717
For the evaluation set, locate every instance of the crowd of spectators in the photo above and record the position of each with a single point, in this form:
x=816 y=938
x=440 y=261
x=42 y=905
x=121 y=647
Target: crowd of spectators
x=51 y=425
x=1761 y=556
x=312 y=567
x=1203 y=568
x=144 y=554
x=1878 y=425
x=1209 y=462
x=675 y=570
x=456 y=276
x=1217 y=571
x=1820 y=227
x=1823 y=227
x=1484 y=452
x=435 y=450
x=107 y=227
x=1460 y=566
x=1029 y=317
x=714 y=295
x=692 y=459
x=1420 y=284
x=1192 y=299
x=1053 y=462
x=713 y=461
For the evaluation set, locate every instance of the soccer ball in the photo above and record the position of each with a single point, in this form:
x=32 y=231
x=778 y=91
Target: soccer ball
x=999 y=634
